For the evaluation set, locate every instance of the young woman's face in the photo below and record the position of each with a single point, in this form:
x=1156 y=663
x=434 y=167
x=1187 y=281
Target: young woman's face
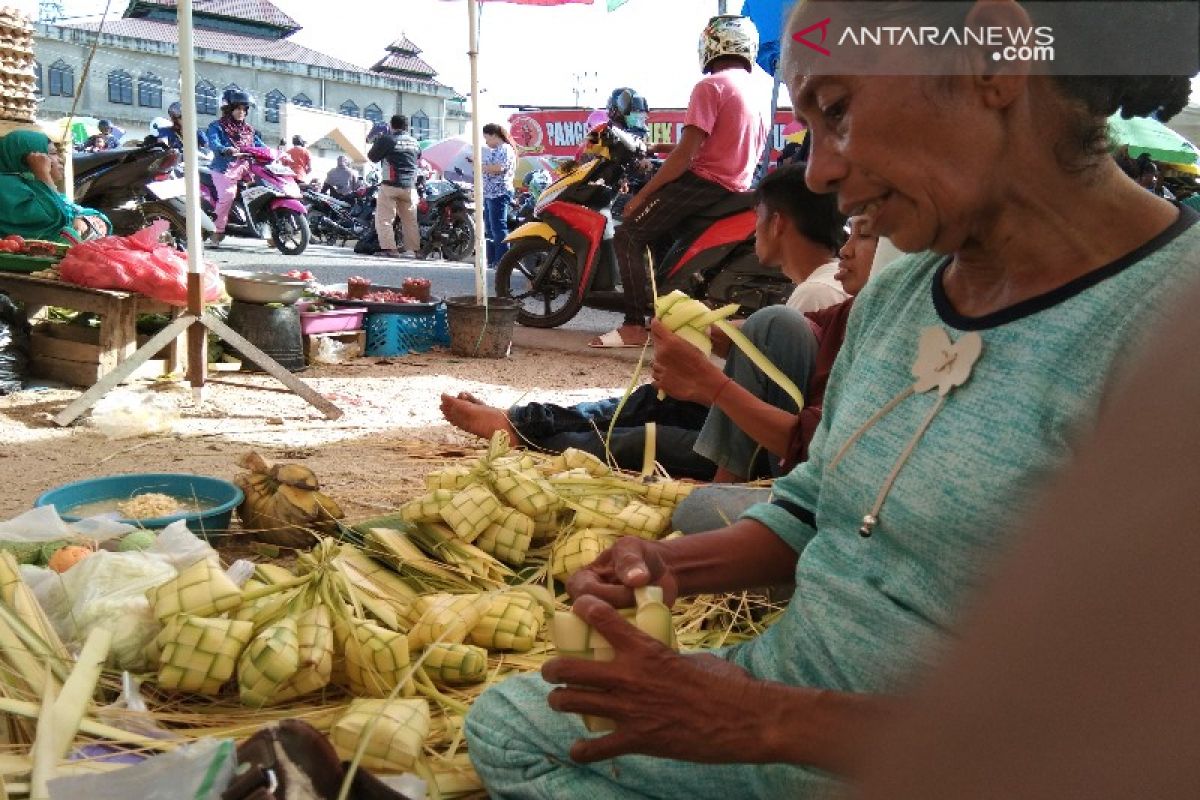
x=239 y=112
x=491 y=139
x=856 y=256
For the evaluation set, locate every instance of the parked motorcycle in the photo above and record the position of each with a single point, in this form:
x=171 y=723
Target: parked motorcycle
x=134 y=187
x=269 y=202
x=564 y=259
x=444 y=218
x=331 y=219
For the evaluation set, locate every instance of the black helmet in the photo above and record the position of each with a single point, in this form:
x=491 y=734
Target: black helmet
x=627 y=109
x=298 y=140
x=175 y=109
x=236 y=97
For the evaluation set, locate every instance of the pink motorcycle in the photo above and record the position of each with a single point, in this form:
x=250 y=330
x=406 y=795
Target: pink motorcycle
x=268 y=203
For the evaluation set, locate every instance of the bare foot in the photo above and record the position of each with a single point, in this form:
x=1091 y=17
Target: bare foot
x=470 y=398
x=474 y=417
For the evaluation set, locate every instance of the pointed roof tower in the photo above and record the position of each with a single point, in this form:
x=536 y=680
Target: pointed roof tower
x=403 y=60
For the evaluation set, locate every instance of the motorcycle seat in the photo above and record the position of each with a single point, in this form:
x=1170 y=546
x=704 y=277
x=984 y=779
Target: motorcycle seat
x=739 y=201
x=85 y=162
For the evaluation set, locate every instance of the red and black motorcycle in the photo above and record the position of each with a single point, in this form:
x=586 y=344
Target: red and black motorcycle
x=564 y=258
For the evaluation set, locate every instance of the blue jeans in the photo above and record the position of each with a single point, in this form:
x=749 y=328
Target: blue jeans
x=495 y=225
x=585 y=427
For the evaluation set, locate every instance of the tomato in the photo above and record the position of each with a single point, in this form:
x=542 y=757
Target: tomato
x=7 y=246
x=20 y=241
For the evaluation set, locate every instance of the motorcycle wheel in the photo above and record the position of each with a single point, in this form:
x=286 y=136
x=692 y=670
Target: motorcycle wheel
x=550 y=303
x=152 y=212
x=460 y=241
x=291 y=231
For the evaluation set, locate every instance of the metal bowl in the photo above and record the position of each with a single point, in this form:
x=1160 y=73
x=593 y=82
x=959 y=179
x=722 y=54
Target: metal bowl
x=263 y=287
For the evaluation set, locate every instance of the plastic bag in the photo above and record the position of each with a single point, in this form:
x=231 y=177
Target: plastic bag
x=125 y=413
x=200 y=771
x=331 y=351
x=14 y=346
x=105 y=590
x=179 y=547
x=42 y=524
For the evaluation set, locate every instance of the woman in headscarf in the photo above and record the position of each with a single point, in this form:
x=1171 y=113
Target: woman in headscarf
x=228 y=136
x=30 y=203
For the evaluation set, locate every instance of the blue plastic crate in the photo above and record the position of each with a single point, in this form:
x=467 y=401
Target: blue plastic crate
x=409 y=332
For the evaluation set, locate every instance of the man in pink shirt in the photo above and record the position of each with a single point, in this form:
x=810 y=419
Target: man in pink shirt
x=723 y=135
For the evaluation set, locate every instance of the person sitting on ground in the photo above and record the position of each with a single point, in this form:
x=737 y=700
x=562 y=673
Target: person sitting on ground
x=969 y=371
x=782 y=438
x=31 y=170
x=339 y=181
x=797 y=230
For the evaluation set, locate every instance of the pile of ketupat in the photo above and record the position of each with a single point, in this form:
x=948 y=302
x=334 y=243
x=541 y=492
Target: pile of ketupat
x=380 y=636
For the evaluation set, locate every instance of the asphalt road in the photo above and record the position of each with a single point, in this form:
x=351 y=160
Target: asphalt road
x=332 y=265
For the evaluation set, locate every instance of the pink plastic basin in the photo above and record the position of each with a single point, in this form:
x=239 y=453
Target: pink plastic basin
x=335 y=321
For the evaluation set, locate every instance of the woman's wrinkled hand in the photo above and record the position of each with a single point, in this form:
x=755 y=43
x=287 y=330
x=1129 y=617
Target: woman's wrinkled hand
x=681 y=370
x=691 y=707
x=629 y=564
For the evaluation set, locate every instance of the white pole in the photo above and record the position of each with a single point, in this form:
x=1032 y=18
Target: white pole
x=476 y=156
x=191 y=150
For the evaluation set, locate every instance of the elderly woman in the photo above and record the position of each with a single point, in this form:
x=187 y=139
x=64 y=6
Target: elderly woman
x=30 y=204
x=967 y=372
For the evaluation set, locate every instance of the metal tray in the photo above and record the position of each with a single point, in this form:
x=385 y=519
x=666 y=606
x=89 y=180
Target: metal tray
x=380 y=308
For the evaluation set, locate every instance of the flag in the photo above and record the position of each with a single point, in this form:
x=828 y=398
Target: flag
x=613 y=5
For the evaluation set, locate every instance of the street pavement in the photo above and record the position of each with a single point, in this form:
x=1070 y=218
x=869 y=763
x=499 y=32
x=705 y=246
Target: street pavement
x=332 y=264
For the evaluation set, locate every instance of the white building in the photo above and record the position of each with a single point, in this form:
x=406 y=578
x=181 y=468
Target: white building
x=245 y=44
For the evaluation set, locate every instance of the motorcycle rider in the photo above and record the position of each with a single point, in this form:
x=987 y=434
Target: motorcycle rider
x=228 y=135
x=725 y=128
x=339 y=181
x=628 y=110
x=399 y=152
x=106 y=139
x=172 y=135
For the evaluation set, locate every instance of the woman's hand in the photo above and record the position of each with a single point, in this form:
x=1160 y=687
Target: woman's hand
x=681 y=370
x=634 y=203
x=629 y=564
x=691 y=707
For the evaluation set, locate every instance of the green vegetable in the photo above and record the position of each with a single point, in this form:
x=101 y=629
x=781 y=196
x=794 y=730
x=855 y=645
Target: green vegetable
x=137 y=540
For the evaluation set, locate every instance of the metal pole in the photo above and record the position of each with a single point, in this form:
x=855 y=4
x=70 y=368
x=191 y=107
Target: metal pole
x=197 y=335
x=722 y=7
x=476 y=156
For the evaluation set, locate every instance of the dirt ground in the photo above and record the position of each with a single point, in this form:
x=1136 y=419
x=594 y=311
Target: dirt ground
x=371 y=459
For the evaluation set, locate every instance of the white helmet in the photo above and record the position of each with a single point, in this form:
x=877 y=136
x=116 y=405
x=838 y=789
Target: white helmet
x=728 y=35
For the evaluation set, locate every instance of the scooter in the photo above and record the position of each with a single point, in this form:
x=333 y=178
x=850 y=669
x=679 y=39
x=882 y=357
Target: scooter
x=135 y=187
x=269 y=202
x=565 y=259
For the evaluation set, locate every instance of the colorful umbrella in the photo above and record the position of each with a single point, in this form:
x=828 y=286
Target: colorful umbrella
x=80 y=127
x=444 y=153
x=1145 y=135
x=794 y=132
x=528 y=164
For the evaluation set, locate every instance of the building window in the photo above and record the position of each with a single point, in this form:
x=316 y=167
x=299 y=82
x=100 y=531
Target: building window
x=61 y=79
x=206 y=98
x=373 y=113
x=271 y=105
x=37 y=71
x=150 y=91
x=420 y=125
x=302 y=100
x=349 y=108
x=120 y=87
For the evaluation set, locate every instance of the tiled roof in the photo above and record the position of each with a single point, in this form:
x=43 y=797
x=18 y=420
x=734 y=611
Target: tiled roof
x=277 y=49
x=252 y=10
x=404 y=45
x=404 y=65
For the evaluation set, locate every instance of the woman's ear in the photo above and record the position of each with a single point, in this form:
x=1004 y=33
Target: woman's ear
x=1000 y=77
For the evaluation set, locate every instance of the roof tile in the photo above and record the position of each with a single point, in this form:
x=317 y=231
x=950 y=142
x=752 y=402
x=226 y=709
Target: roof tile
x=252 y=10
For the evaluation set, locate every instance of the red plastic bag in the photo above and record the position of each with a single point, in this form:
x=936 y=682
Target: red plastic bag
x=137 y=263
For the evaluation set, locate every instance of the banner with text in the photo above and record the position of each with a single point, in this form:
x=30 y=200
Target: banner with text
x=561 y=133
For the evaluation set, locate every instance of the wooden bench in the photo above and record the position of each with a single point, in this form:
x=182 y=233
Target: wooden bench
x=75 y=360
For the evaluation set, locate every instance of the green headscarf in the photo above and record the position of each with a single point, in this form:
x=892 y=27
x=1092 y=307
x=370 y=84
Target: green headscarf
x=29 y=207
x=18 y=144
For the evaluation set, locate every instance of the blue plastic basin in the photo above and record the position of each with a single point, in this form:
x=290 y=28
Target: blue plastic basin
x=218 y=496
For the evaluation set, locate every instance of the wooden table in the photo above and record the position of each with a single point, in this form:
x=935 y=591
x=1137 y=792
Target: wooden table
x=76 y=360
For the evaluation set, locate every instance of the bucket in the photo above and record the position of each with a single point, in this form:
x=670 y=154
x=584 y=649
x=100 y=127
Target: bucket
x=478 y=331
x=273 y=329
